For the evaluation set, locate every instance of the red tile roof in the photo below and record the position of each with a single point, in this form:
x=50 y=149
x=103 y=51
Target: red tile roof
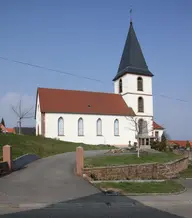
x=7 y=130
x=82 y=102
x=156 y=126
x=10 y=130
x=179 y=142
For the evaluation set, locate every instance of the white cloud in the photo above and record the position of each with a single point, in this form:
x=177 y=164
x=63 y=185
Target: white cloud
x=12 y=99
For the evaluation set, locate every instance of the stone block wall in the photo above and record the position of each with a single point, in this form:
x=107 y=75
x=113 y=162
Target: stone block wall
x=138 y=171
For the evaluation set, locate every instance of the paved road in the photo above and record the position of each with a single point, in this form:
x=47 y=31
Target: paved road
x=176 y=204
x=49 y=180
x=50 y=185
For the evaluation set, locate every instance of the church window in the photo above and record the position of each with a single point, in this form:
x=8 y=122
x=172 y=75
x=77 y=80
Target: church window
x=99 y=127
x=116 y=127
x=80 y=127
x=60 y=126
x=120 y=86
x=157 y=135
x=139 y=84
x=140 y=104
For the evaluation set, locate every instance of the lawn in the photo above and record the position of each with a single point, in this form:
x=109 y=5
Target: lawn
x=125 y=159
x=43 y=147
x=142 y=187
x=186 y=173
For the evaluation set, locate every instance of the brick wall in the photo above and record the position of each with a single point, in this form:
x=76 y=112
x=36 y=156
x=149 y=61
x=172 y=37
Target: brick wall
x=138 y=171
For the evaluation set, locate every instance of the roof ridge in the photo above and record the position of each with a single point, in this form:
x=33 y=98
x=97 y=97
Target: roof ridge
x=82 y=102
x=75 y=90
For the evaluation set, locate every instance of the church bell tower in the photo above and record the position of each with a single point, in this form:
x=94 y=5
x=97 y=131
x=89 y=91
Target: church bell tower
x=134 y=80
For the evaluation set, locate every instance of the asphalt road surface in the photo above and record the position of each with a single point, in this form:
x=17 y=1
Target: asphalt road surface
x=49 y=188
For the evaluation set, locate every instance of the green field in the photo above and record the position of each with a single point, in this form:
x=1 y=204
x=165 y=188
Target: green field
x=142 y=187
x=43 y=147
x=130 y=159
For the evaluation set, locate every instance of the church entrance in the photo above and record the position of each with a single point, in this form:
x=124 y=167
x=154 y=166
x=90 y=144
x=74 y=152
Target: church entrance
x=146 y=141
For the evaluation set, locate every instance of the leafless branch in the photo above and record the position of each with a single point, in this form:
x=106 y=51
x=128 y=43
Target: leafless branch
x=139 y=129
x=21 y=114
x=26 y=112
x=20 y=107
x=15 y=110
x=27 y=117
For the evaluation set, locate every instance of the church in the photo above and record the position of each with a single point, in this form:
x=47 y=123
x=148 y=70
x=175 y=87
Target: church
x=122 y=118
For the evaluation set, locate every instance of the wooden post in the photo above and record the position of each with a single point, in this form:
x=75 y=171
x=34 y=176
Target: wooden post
x=79 y=161
x=7 y=155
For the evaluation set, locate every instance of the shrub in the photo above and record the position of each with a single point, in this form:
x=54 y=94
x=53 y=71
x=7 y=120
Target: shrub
x=188 y=146
x=160 y=145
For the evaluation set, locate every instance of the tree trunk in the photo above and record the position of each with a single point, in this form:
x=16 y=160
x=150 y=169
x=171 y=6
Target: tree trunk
x=138 y=150
x=19 y=126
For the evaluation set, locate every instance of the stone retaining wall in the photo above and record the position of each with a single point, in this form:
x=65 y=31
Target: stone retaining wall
x=138 y=171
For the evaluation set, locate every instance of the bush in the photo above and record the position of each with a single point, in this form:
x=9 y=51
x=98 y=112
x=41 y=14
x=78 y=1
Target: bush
x=176 y=146
x=188 y=146
x=160 y=145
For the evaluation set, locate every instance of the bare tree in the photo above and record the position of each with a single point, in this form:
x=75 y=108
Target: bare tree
x=139 y=128
x=22 y=113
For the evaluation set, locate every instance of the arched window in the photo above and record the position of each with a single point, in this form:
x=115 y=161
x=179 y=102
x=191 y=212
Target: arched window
x=140 y=126
x=140 y=104
x=120 y=86
x=116 y=127
x=139 y=84
x=99 y=127
x=60 y=126
x=80 y=127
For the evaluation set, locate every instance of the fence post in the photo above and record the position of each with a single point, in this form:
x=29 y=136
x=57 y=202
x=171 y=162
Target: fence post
x=7 y=155
x=79 y=161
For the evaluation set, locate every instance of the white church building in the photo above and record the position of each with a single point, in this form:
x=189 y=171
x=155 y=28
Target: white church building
x=104 y=118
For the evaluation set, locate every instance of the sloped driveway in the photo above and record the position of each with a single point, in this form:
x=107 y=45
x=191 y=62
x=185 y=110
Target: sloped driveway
x=47 y=180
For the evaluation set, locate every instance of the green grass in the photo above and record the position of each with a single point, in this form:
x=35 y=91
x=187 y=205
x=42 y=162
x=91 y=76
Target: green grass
x=129 y=159
x=43 y=147
x=186 y=173
x=142 y=187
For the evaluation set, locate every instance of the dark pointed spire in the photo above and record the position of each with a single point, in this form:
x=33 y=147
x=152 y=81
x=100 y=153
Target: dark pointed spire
x=132 y=60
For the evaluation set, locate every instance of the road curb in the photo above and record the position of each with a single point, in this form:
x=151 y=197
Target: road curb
x=134 y=194
x=155 y=194
x=145 y=194
x=128 y=181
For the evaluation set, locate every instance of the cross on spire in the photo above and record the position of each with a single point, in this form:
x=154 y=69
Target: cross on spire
x=131 y=15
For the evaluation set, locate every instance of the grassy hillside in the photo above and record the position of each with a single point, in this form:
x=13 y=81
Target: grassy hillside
x=43 y=147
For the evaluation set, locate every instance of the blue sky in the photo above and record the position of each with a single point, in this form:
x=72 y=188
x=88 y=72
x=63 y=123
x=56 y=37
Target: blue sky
x=86 y=37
